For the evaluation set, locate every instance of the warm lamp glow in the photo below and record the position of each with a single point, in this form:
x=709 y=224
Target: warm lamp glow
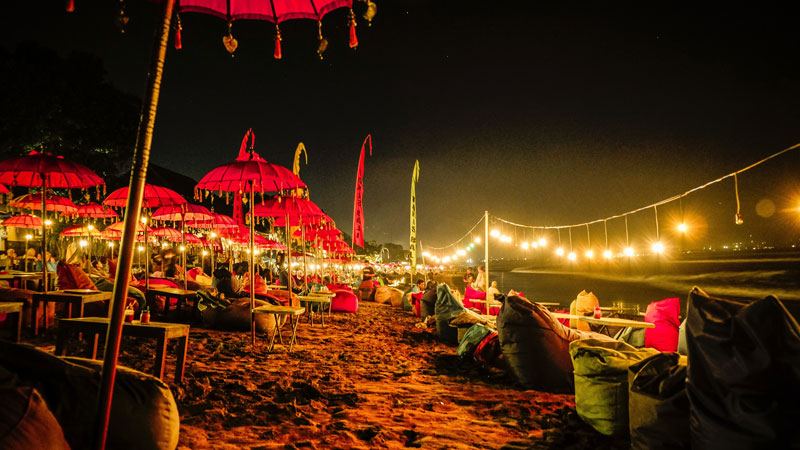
x=628 y=251
x=461 y=252
x=182 y=248
x=495 y=233
x=205 y=253
x=140 y=248
x=589 y=254
x=213 y=235
x=607 y=254
x=48 y=222
x=477 y=240
x=658 y=247
x=446 y=259
x=28 y=237
x=144 y=219
x=111 y=244
x=524 y=245
x=572 y=256
x=560 y=251
x=542 y=242
x=83 y=243
x=426 y=254
x=164 y=245
x=682 y=227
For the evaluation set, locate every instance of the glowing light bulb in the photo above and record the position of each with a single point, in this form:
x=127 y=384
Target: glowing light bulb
x=535 y=244
x=524 y=245
x=111 y=244
x=83 y=243
x=48 y=222
x=164 y=245
x=205 y=253
x=590 y=254
x=494 y=233
x=542 y=242
x=140 y=248
x=446 y=259
x=213 y=235
x=607 y=254
x=658 y=247
x=477 y=240
x=682 y=227
x=426 y=254
x=628 y=251
x=455 y=257
x=28 y=237
x=461 y=253
x=90 y=227
x=560 y=251
x=144 y=219
x=572 y=256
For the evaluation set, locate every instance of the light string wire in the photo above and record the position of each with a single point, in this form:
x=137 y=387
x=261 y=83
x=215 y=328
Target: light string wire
x=662 y=202
x=460 y=239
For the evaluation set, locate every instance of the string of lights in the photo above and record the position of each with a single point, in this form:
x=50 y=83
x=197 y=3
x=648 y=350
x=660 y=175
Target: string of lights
x=657 y=247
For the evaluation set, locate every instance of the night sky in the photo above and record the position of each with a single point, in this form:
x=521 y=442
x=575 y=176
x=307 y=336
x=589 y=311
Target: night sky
x=541 y=112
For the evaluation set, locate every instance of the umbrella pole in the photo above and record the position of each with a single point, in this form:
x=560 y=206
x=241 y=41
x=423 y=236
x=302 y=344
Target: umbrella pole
x=141 y=156
x=146 y=260
x=44 y=237
x=303 y=237
x=252 y=267
x=289 y=259
x=183 y=245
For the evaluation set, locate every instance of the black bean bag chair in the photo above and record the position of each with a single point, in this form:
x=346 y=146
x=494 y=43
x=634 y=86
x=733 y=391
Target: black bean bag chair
x=446 y=309
x=143 y=412
x=536 y=346
x=26 y=422
x=743 y=377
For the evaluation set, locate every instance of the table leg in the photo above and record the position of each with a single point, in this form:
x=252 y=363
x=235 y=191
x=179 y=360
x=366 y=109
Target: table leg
x=34 y=313
x=322 y=314
x=95 y=340
x=19 y=325
x=61 y=340
x=79 y=306
x=293 y=339
x=180 y=365
x=161 y=354
x=272 y=336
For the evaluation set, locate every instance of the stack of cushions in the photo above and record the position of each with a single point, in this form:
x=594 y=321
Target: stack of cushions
x=536 y=346
x=583 y=305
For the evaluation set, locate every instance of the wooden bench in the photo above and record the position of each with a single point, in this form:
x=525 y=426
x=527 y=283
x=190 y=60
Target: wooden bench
x=162 y=332
x=11 y=308
x=292 y=312
x=74 y=300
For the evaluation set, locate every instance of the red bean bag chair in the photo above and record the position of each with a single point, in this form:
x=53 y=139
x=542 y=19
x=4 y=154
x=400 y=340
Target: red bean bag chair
x=339 y=287
x=259 y=284
x=191 y=275
x=664 y=314
x=283 y=297
x=344 y=301
x=72 y=277
x=417 y=300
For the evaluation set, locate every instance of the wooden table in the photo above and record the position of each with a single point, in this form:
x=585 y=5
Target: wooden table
x=162 y=332
x=180 y=295
x=73 y=300
x=615 y=322
x=20 y=278
x=11 y=308
x=548 y=305
x=292 y=312
x=494 y=303
x=320 y=300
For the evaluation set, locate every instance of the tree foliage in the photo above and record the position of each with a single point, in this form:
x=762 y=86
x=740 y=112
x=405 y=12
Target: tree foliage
x=65 y=106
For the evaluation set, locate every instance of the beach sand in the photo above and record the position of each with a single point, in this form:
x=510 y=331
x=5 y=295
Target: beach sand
x=364 y=381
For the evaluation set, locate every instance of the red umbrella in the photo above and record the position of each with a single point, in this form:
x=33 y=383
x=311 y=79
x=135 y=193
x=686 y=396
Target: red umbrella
x=154 y=196
x=170 y=234
x=47 y=171
x=25 y=221
x=217 y=222
x=183 y=213
x=191 y=239
x=96 y=211
x=118 y=227
x=4 y=190
x=250 y=173
x=81 y=230
x=55 y=203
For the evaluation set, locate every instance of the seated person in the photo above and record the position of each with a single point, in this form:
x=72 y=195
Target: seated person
x=223 y=282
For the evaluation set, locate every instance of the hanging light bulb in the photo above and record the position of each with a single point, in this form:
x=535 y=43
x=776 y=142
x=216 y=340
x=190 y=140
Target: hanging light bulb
x=658 y=247
x=589 y=254
x=535 y=244
x=477 y=240
x=494 y=233
x=461 y=253
x=48 y=222
x=572 y=256
x=682 y=227
x=560 y=251
x=628 y=251
x=83 y=243
x=607 y=254
x=426 y=254
x=140 y=248
x=542 y=242
x=524 y=245
x=90 y=227
x=144 y=219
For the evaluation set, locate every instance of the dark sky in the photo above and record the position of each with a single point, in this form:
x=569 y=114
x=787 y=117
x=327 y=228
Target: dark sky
x=541 y=112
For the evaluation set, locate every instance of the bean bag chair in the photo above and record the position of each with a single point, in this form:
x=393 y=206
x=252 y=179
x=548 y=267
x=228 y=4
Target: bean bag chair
x=236 y=316
x=339 y=287
x=743 y=378
x=143 y=414
x=664 y=314
x=445 y=309
x=345 y=301
x=583 y=305
x=658 y=409
x=601 y=382
x=72 y=277
x=489 y=353
x=366 y=291
x=472 y=338
x=407 y=305
x=284 y=298
x=536 y=346
x=564 y=321
x=416 y=299
x=631 y=336
x=383 y=294
x=26 y=422
x=473 y=294
x=259 y=284
x=8 y=294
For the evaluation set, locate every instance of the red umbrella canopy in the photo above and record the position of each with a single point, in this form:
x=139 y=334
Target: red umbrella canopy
x=190 y=212
x=115 y=235
x=25 y=221
x=313 y=232
x=154 y=196
x=81 y=230
x=282 y=206
x=117 y=227
x=4 y=190
x=249 y=169
x=213 y=243
x=53 y=202
x=217 y=222
x=94 y=210
x=192 y=239
x=30 y=169
x=166 y=232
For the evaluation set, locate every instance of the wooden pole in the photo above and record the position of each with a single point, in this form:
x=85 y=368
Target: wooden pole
x=141 y=157
x=252 y=266
x=289 y=259
x=44 y=234
x=486 y=257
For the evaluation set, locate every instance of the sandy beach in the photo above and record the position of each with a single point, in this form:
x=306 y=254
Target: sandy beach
x=371 y=380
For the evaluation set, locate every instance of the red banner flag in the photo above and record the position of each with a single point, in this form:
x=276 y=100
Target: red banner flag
x=358 y=206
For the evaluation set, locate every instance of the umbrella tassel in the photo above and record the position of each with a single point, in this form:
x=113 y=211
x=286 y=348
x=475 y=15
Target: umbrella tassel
x=278 y=54
x=70 y=5
x=353 y=37
x=323 y=44
x=178 y=28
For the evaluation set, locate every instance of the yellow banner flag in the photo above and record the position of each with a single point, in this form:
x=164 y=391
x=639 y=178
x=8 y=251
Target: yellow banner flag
x=413 y=243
